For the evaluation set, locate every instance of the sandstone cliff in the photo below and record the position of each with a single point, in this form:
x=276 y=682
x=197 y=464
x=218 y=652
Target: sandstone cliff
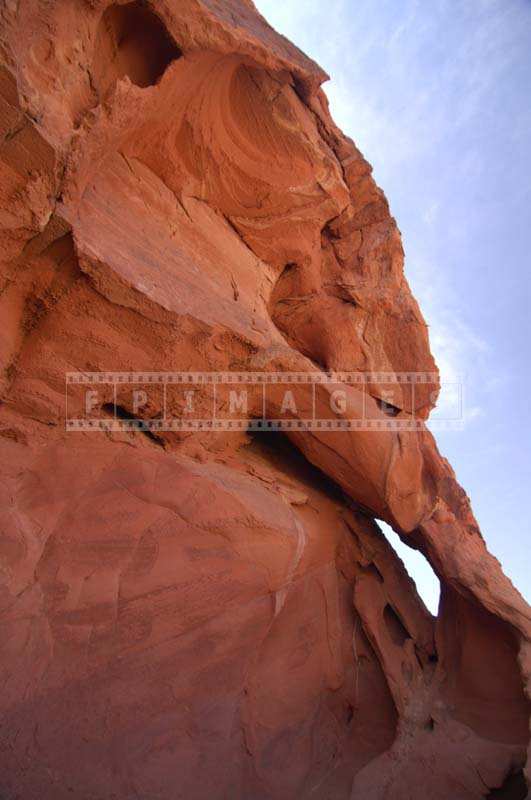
x=214 y=615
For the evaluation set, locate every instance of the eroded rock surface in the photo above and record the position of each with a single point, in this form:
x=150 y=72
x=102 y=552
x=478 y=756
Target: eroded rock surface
x=217 y=615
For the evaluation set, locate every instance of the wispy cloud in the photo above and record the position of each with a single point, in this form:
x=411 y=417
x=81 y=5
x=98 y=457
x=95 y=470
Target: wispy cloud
x=458 y=349
x=436 y=95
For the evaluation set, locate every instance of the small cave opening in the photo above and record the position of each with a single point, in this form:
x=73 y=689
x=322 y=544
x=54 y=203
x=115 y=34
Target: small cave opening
x=137 y=423
x=397 y=630
x=278 y=449
x=387 y=408
x=514 y=787
x=132 y=40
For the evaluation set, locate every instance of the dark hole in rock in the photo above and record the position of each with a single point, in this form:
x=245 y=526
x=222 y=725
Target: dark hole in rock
x=514 y=787
x=280 y=452
x=137 y=424
x=132 y=40
x=387 y=408
x=290 y=266
x=397 y=630
x=425 y=659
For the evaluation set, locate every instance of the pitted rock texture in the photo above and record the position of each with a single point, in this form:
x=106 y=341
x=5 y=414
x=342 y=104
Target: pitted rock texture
x=213 y=615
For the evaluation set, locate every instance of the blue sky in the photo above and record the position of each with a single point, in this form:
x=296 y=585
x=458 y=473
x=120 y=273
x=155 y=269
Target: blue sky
x=437 y=95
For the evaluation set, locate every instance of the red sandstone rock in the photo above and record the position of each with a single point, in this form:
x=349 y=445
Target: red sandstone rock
x=216 y=615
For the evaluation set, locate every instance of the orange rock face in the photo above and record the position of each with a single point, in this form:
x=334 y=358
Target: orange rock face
x=210 y=615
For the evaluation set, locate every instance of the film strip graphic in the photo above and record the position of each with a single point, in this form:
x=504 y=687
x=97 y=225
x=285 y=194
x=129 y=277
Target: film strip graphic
x=159 y=402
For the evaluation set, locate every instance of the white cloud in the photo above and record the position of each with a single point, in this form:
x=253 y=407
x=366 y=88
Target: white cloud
x=440 y=86
x=457 y=348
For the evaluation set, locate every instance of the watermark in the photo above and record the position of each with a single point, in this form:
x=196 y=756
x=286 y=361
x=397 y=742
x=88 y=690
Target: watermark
x=159 y=402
